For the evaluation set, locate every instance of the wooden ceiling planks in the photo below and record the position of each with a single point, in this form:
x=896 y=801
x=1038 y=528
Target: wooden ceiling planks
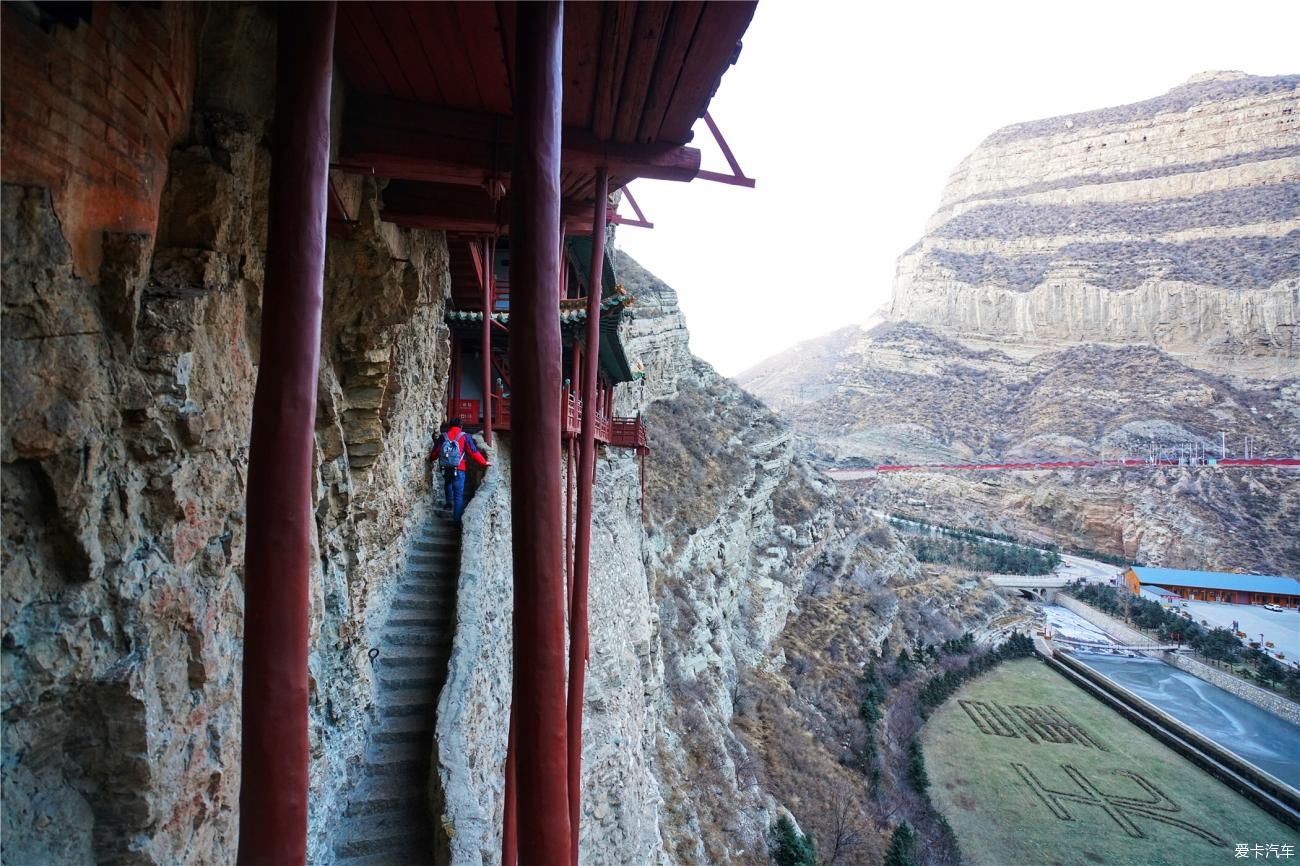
x=637 y=76
x=582 y=32
x=633 y=71
x=507 y=24
x=371 y=35
x=445 y=44
x=651 y=21
x=616 y=38
x=482 y=33
x=361 y=72
x=674 y=45
x=400 y=23
x=713 y=49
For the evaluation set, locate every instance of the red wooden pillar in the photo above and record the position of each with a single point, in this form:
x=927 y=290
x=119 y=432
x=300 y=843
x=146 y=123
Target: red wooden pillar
x=570 y=470
x=458 y=360
x=489 y=251
x=277 y=558
x=537 y=493
x=582 y=531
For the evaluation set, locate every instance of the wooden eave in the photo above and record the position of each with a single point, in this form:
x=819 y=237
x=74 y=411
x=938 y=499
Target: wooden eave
x=430 y=99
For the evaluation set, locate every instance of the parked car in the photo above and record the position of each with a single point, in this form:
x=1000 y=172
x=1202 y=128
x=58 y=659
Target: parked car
x=1276 y=607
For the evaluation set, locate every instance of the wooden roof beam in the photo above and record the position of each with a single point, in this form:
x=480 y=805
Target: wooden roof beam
x=413 y=141
x=456 y=208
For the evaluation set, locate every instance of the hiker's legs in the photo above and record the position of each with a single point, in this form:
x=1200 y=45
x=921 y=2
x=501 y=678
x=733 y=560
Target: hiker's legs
x=449 y=487
x=458 y=493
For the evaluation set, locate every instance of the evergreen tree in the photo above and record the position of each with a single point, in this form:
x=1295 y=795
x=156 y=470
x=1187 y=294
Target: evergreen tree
x=916 y=767
x=901 y=847
x=790 y=847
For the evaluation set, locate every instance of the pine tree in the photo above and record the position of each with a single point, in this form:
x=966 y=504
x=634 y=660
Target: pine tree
x=790 y=847
x=901 y=847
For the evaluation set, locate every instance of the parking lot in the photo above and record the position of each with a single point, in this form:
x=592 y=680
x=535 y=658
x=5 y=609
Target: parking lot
x=1283 y=628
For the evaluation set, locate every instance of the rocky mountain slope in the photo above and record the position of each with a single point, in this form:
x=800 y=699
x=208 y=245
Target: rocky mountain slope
x=768 y=584
x=1174 y=221
x=1100 y=284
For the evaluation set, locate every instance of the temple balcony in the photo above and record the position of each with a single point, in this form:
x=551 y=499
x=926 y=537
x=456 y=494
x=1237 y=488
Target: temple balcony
x=617 y=432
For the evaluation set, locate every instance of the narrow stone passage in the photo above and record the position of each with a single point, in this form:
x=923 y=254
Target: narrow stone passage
x=387 y=822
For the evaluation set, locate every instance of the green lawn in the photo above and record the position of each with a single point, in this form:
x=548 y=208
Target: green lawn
x=1031 y=771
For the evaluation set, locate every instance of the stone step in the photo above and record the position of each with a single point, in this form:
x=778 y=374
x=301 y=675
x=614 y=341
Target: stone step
x=389 y=858
x=431 y=581
x=401 y=636
x=410 y=678
x=421 y=735
x=380 y=757
x=436 y=544
x=407 y=703
x=386 y=794
x=412 y=656
x=435 y=620
x=448 y=561
x=416 y=594
x=399 y=679
x=402 y=837
x=429 y=601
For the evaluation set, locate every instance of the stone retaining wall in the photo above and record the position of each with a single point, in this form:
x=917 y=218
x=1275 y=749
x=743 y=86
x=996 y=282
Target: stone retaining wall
x=1111 y=626
x=1262 y=698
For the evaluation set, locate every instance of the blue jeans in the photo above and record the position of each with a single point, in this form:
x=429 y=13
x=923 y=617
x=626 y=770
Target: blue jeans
x=453 y=481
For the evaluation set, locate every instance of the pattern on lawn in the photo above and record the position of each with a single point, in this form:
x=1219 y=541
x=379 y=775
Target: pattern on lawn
x=1121 y=809
x=1048 y=724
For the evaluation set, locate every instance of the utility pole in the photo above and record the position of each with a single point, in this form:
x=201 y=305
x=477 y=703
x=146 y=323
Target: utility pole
x=1223 y=445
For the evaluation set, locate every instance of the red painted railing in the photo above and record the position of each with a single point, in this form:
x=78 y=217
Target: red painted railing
x=618 y=432
x=628 y=433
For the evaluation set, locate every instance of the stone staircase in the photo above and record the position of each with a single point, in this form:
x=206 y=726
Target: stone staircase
x=387 y=822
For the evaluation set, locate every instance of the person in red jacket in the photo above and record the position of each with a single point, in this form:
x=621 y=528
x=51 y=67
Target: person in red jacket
x=450 y=451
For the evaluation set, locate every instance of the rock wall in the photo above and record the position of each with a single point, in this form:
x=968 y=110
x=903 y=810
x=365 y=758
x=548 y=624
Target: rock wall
x=1174 y=221
x=127 y=395
x=619 y=791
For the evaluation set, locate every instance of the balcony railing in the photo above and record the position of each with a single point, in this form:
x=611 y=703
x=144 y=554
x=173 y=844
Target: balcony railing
x=618 y=432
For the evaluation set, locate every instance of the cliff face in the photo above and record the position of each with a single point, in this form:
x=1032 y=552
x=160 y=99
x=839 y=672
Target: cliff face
x=127 y=396
x=1174 y=221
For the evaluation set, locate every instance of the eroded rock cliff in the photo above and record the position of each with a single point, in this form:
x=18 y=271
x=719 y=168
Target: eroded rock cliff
x=1174 y=221
x=1122 y=282
x=127 y=396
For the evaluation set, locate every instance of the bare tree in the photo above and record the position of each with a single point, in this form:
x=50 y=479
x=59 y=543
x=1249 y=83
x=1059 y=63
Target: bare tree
x=845 y=835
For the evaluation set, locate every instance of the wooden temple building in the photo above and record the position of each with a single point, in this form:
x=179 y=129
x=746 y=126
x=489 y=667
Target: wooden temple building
x=510 y=127
x=477 y=264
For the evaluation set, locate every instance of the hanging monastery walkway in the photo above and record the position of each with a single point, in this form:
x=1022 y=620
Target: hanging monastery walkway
x=387 y=821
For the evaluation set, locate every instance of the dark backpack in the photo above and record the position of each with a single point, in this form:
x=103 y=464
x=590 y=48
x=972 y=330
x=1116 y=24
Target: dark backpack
x=451 y=452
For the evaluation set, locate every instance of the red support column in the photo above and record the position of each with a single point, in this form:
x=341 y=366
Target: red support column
x=582 y=532
x=457 y=362
x=489 y=251
x=570 y=468
x=537 y=494
x=277 y=559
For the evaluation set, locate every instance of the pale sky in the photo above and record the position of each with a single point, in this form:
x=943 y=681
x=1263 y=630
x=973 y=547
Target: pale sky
x=852 y=114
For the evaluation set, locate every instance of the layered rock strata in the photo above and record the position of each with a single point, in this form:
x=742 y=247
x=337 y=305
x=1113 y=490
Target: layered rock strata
x=1174 y=221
